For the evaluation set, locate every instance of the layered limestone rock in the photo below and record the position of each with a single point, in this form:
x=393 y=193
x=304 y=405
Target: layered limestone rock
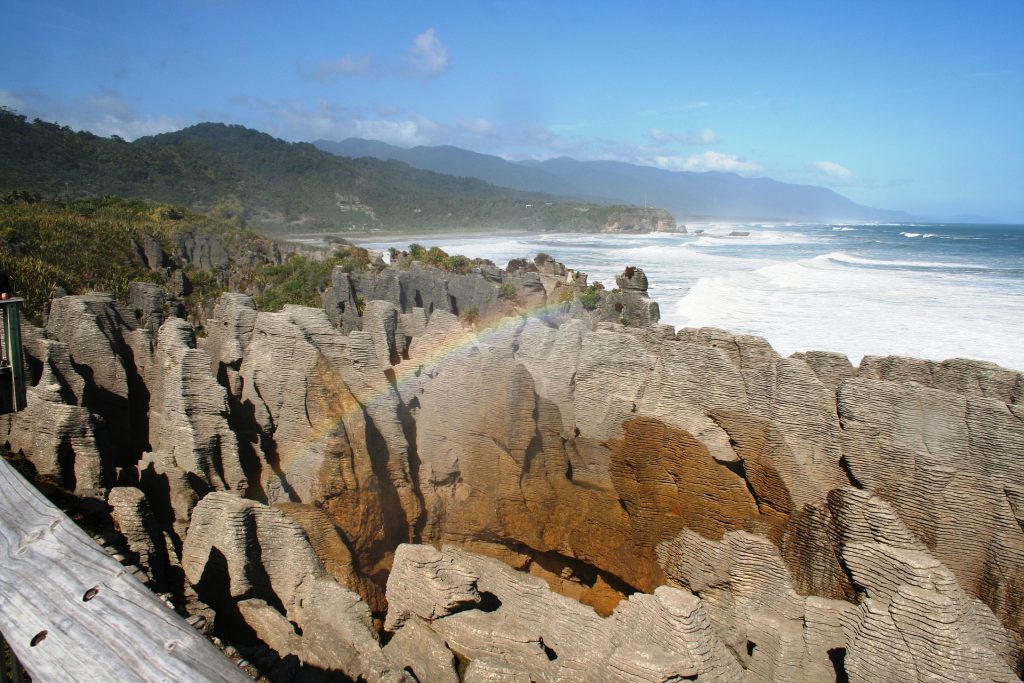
x=193 y=449
x=913 y=621
x=64 y=440
x=255 y=566
x=331 y=548
x=229 y=330
x=132 y=517
x=640 y=220
x=571 y=453
x=327 y=427
x=950 y=464
x=629 y=304
x=512 y=626
x=958 y=375
x=420 y=286
x=554 y=275
x=188 y=419
x=96 y=331
x=414 y=285
x=652 y=503
x=148 y=301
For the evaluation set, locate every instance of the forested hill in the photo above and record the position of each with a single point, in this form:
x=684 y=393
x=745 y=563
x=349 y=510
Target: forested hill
x=276 y=186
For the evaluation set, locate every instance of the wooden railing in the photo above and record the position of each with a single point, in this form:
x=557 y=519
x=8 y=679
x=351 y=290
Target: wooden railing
x=70 y=612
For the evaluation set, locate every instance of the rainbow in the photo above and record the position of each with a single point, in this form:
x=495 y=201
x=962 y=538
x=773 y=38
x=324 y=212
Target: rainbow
x=296 y=461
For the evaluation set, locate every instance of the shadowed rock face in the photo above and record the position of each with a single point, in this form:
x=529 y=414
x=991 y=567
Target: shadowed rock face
x=662 y=504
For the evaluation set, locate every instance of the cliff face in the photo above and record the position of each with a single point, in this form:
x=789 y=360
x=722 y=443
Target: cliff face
x=638 y=219
x=729 y=514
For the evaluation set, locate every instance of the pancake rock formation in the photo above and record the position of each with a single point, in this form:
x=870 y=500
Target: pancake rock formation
x=553 y=488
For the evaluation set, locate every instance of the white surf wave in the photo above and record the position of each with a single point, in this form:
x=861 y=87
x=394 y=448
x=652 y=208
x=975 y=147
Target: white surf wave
x=754 y=238
x=817 y=290
x=816 y=304
x=842 y=257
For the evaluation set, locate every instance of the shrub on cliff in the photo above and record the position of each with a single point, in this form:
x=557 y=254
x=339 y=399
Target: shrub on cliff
x=90 y=244
x=508 y=291
x=458 y=264
x=438 y=258
x=298 y=280
x=301 y=280
x=591 y=297
x=352 y=259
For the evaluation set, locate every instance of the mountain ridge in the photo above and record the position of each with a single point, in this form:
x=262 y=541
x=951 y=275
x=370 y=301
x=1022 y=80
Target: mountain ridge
x=688 y=195
x=275 y=186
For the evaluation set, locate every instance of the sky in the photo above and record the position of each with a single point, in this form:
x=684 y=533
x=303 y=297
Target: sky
x=905 y=105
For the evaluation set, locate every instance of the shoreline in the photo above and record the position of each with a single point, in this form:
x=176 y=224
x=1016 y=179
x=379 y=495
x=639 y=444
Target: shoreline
x=367 y=237
x=363 y=237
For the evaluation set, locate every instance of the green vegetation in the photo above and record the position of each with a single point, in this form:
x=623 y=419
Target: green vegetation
x=96 y=245
x=458 y=264
x=90 y=245
x=245 y=177
x=437 y=257
x=302 y=280
x=591 y=296
x=508 y=291
x=563 y=294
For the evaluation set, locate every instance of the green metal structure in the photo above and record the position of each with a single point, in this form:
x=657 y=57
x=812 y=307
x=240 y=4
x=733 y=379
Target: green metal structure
x=12 y=362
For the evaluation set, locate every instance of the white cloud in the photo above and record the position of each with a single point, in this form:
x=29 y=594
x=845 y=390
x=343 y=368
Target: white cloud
x=327 y=71
x=12 y=101
x=708 y=161
x=704 y=136
x=346 y=66
x=690 y=106
x=676 y=108
x=106 y=113
x=428 y=56
x=130 y=127
x=408 y=133
x=478 y=126
x=109 y=103
x=833 y=174
x=298 y=121
x=103 y=113
x=386 y=110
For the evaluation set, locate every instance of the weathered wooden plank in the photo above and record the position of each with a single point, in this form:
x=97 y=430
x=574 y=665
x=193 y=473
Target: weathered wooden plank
x=72 y=613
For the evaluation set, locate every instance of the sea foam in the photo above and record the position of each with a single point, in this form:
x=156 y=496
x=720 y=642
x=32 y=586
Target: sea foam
x=865 y=290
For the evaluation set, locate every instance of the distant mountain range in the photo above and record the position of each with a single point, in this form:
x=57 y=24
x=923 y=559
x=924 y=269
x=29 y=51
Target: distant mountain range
x=276 y=186
x=688 y=195
x=363 y=185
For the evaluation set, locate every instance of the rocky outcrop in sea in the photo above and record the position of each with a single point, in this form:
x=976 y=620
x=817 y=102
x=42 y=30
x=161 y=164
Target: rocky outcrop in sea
x=554 y=487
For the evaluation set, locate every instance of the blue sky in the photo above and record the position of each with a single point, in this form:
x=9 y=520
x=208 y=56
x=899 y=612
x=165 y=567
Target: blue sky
x=904 y=105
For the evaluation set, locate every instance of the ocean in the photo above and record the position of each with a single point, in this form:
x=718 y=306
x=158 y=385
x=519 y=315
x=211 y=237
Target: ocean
x=927 y=290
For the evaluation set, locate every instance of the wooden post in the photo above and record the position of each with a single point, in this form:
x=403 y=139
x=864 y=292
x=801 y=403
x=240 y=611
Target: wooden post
x=70 y=612
x=12 y=351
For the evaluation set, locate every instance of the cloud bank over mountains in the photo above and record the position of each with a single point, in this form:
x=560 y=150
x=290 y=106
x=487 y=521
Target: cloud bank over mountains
x=426 y=57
